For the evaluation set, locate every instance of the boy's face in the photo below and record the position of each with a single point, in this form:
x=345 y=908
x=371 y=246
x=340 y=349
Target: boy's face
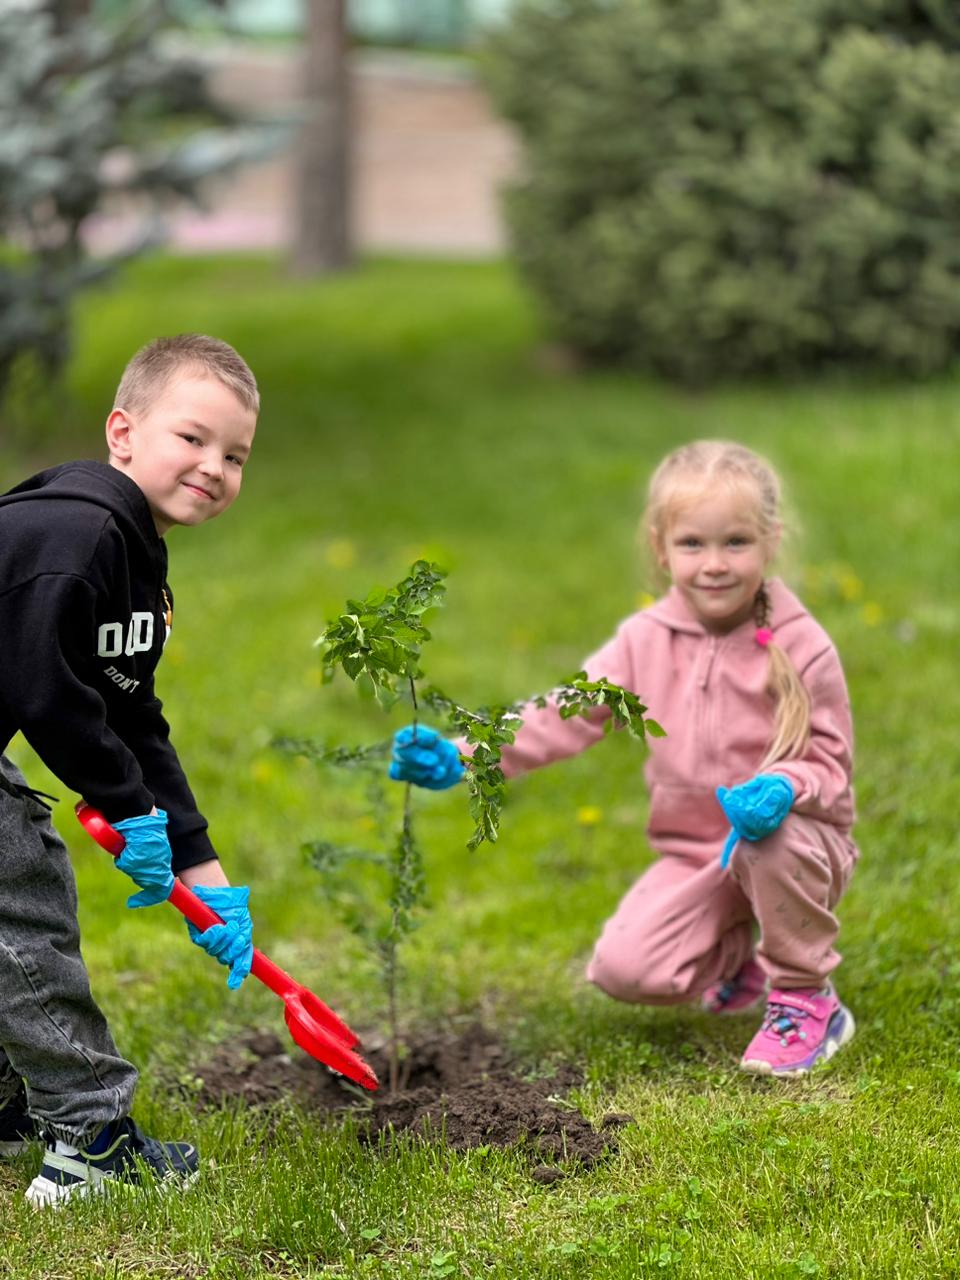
x=187 y=451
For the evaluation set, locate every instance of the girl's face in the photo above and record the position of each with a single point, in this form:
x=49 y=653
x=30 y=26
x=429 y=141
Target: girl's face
x=716 y=558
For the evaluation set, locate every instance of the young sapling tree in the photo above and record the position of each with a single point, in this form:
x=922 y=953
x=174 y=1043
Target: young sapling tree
x=378 y=643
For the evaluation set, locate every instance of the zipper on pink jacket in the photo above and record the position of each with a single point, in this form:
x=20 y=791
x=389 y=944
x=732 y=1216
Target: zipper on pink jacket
x=708 y=665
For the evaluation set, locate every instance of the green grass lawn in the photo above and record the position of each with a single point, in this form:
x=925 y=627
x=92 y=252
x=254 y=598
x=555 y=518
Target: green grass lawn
x=408 y=411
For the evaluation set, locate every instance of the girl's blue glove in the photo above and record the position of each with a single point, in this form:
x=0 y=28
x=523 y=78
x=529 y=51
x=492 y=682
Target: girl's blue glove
x=755 y=809
x=231 y=942
x=146 y=858
x=430 y=761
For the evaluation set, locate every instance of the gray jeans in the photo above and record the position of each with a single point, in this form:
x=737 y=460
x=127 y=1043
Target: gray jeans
x=52 y=1034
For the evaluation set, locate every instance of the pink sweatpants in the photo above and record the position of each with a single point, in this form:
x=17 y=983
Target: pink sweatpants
x=687 y=924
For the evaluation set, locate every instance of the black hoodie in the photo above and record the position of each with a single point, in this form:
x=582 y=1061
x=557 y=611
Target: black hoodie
x=83 y=620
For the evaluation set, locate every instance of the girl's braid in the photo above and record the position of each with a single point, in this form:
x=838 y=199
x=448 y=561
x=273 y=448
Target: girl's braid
x=762 y=606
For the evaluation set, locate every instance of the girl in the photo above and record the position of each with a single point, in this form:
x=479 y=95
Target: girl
x=751 y=693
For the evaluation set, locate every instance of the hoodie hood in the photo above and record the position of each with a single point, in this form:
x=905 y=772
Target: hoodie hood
x=673 y=612
x=100 y=485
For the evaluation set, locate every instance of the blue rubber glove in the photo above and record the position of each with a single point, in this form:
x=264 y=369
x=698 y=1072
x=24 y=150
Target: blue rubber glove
x=231 y=943
x=755 y=809
x=146 y=858
x=431 y=761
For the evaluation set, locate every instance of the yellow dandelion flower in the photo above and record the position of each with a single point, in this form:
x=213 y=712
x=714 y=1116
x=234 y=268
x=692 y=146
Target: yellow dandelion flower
x=340 y=553
x=871 y=614
x=589 y=815
x=263 y=770
x=645 y=600
x=851 y=588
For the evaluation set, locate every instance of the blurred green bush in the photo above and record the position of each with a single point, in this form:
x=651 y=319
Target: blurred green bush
x=720 y=187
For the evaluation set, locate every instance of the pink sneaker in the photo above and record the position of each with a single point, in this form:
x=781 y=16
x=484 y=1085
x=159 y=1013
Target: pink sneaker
x=800 y=1029
x=738 y=994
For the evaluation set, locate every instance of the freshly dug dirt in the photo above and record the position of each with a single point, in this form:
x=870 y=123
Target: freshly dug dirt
x=458 y=1087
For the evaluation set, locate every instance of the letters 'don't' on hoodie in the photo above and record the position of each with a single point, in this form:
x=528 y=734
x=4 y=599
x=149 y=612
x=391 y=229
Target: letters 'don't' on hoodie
x=84 y=607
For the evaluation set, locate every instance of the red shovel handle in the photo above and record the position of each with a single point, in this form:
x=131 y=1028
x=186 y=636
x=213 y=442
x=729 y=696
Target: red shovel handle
x=302 y=1004
x=186 y=902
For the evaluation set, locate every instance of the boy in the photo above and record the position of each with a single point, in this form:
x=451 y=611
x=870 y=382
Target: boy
x=84 y=614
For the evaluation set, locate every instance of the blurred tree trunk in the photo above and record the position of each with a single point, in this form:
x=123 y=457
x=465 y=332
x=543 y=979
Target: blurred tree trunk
x=322 y=212
x=66 y=13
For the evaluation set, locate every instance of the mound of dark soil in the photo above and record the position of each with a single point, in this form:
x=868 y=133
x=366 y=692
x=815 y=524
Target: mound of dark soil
x=460 y=1087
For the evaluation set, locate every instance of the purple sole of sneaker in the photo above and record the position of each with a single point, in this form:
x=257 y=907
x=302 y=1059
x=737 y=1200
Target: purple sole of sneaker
x=840 y=1031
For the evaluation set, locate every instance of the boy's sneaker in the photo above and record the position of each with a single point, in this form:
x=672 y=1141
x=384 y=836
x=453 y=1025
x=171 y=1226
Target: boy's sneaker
x=800 y=1030
x=739 y=994
x=17 y=1128
x=120 y=1153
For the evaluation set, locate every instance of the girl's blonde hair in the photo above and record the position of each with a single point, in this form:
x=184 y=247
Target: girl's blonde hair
x=683 y=477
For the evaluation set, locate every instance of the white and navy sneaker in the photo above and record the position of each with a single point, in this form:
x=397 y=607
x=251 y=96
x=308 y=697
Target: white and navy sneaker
x=120 y=1154
x=17 y=1127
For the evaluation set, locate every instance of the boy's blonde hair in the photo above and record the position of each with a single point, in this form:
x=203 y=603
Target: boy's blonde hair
x=151 y=369
x=683 y=477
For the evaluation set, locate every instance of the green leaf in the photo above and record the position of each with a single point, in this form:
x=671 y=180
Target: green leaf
x=352 y=664
x=386 y=696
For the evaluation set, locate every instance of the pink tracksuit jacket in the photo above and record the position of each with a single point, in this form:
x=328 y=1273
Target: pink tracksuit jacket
x=687 y=923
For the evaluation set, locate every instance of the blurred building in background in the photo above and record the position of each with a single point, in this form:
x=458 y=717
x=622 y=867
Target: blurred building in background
x=452 y=23
x=428 y=154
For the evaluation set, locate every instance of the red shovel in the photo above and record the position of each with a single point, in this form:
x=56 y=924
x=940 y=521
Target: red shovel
x=314 y=1026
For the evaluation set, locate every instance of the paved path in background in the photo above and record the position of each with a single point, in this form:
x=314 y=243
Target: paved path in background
x=429 y=156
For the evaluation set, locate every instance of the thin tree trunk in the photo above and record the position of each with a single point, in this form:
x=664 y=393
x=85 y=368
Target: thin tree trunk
x=322 y=214
x=68 y=12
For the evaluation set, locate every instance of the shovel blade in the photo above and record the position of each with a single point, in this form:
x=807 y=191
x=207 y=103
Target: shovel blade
x=321 y=1044
x=314 y=1026
x=320 y=1016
